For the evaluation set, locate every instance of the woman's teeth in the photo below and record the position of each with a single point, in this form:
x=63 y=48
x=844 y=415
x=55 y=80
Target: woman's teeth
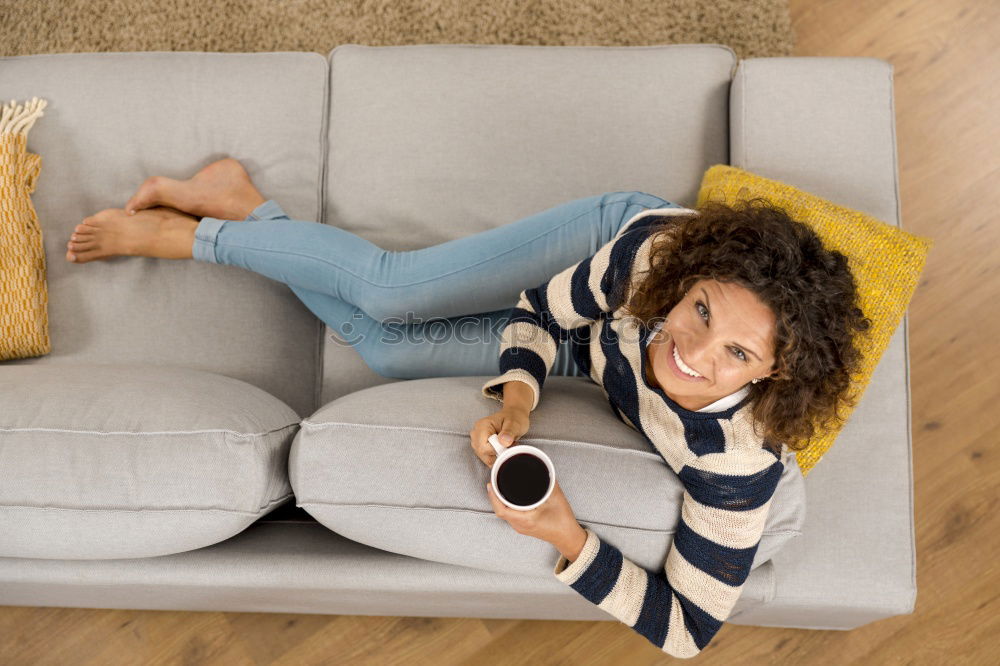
x=680 y=364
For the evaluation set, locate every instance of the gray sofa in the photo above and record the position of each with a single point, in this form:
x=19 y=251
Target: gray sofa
x=199 y=440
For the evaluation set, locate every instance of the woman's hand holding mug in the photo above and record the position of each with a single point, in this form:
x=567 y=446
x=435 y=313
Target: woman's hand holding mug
x=509 y=424
x=552 y=520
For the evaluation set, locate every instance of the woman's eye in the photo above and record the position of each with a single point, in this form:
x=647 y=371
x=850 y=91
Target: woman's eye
x=738 y=353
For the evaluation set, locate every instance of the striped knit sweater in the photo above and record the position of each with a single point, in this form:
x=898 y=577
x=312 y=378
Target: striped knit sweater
x=728 y=476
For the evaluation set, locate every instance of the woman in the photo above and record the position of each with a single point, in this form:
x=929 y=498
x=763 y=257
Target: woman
x=756 y=347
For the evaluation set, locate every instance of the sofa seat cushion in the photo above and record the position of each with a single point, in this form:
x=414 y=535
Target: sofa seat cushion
x=116 y=461
x=406 y=479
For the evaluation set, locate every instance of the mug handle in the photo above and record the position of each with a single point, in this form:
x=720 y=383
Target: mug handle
x=495 y=443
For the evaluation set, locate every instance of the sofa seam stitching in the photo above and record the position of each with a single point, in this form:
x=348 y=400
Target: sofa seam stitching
x=309 y=424
x=477 y=511
x=152 y=432
x=143 y=509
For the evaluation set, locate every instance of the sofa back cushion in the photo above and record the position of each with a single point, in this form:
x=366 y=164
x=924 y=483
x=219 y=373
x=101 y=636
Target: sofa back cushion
x=429 y=143
x=115 y=119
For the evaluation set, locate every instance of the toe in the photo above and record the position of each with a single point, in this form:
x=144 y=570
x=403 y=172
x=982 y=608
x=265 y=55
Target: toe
x=77 y=246
x=84 y=256
x=146 y=196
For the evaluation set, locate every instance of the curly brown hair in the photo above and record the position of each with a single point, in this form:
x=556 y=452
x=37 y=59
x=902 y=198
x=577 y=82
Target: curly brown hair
x=810 y=289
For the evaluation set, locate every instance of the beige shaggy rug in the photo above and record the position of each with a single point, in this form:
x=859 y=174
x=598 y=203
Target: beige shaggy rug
x=752 y=28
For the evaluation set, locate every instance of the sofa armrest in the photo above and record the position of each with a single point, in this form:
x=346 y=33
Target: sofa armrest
x=825 y=125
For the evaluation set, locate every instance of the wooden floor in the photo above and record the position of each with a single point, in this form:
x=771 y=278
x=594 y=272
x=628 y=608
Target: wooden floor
x=947 y=77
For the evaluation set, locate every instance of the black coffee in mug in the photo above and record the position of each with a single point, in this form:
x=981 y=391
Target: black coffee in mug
x=523 y=479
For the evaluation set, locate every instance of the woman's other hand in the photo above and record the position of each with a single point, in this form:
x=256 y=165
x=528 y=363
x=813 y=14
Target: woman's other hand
x=553 y=521
x=509 y=424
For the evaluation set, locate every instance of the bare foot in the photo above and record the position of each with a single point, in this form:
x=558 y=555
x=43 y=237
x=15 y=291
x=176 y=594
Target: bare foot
x=157 y=232
x=222 y=190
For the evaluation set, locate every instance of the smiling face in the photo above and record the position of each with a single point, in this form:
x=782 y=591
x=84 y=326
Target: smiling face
x=724 y=333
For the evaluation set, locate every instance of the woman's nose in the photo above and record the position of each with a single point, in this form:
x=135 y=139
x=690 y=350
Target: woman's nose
x=698 y=354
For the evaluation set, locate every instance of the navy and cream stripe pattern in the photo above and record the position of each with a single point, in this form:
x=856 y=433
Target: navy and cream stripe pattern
x=569 y=304
x=728 y=476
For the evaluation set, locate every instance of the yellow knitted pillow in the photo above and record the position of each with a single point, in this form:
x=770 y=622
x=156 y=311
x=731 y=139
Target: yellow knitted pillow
x=885 y=260
x=24 y=294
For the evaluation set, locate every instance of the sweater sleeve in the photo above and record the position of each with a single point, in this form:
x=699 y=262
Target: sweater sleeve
x=576 y=297
x=680 y=608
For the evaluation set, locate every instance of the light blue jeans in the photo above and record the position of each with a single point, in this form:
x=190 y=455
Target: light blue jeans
x=433 y=312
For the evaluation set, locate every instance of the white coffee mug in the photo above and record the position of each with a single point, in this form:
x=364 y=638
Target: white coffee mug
x=506 y=452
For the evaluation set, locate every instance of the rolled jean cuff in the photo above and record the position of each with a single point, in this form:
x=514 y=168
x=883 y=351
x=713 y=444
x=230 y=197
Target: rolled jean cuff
x=266 y=210
x=204 y=239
